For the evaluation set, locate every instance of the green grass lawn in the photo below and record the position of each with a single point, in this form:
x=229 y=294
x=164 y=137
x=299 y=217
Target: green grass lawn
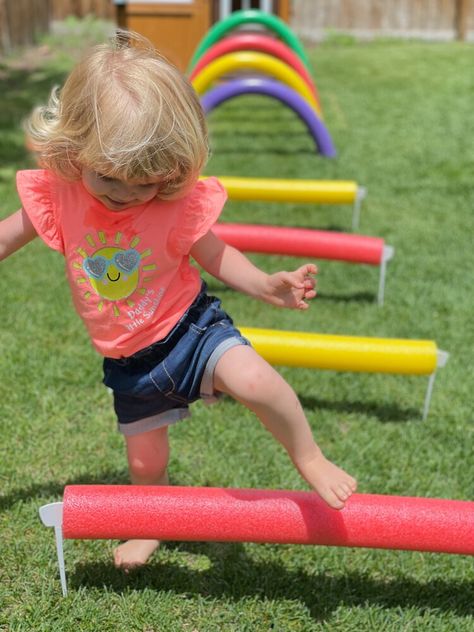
x=401 y=117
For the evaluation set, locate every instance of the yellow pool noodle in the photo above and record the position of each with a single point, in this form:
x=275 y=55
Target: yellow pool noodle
x=267 y=64
x=277 y=190
x=344 y=353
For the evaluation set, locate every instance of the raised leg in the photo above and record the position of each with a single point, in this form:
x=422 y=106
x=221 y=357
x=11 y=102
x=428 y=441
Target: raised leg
x=248 y=378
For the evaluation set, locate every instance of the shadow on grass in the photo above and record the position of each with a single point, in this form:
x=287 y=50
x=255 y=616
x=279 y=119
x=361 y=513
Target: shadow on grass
x=234 y=575
x=359 y=297
x=354 y=297
x=262 y=150
x=54 y=489
x=383 y=412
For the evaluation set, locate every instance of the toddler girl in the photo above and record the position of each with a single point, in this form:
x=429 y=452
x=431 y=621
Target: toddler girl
x=121 y=146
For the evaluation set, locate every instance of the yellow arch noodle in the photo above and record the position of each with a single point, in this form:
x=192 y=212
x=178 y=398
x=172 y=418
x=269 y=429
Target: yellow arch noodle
x=266 y=64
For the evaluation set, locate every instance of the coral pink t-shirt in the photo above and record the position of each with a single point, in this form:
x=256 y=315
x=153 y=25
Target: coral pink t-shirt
x=129 y=271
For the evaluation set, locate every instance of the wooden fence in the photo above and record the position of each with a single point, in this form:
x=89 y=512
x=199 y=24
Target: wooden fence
x=427 y=19
x=100 y=8
x=22 y=21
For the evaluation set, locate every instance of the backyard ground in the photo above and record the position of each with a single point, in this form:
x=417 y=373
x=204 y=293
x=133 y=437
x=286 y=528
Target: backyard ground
x=401 y=117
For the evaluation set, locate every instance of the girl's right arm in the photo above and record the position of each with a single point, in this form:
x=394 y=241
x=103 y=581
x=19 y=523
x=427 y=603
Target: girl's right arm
x=283 y=289
x=15 y=232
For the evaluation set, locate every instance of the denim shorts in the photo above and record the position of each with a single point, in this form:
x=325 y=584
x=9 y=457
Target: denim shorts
x=154 y=387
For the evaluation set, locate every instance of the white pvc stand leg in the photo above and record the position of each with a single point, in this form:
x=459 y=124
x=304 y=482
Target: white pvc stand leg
x=388 y=252
x=360 y=195
x=266 y=6
x=52 y=516
x=225 y=7
x=441 y=361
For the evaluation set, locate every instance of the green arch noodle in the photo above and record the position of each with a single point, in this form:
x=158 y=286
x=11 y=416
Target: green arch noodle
x=238 y=18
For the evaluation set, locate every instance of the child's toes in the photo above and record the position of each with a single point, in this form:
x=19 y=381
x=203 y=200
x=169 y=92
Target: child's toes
x=331 y=497
x=343 y=492
x=336 y=502
x=349 y=488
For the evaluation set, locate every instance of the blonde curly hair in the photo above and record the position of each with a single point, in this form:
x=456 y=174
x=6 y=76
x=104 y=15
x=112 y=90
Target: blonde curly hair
x=124 y=112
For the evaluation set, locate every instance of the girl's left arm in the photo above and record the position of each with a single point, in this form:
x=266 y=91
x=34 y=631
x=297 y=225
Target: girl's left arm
x=283 y=289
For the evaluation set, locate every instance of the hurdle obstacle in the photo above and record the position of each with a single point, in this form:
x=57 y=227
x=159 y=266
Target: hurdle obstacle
x=299 y=191
x=211 y=514
x=304 y=242
x=350 y=353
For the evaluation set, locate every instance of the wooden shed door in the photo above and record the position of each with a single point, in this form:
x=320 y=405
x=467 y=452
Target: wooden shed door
x=175 y=28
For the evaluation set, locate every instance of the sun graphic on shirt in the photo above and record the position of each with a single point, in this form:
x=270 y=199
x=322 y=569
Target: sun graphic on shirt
x=113 y=270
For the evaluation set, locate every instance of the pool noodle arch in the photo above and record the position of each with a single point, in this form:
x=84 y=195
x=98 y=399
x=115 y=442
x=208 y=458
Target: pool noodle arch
x=251 y=16
x=249 y=60
x=259 y=43
x=279 y=91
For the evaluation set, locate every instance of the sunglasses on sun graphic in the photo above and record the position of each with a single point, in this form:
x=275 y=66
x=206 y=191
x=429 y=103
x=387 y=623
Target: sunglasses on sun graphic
x=126 y=261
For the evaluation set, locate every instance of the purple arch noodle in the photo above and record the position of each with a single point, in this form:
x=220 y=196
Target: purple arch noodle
x=283 y=93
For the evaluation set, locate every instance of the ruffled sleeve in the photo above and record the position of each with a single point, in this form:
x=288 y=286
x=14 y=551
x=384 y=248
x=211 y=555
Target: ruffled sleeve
x=35 y=188
x=201 y=211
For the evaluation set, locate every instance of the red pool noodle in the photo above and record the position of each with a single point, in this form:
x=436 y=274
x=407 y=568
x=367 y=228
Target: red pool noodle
x=256 y=42
x=302 y=242
x=252 y=515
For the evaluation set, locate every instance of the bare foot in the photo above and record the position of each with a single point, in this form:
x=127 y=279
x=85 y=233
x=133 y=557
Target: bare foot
x=134 y=553
x=332 y=483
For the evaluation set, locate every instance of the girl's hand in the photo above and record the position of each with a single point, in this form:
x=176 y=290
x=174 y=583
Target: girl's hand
x=291 y=289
